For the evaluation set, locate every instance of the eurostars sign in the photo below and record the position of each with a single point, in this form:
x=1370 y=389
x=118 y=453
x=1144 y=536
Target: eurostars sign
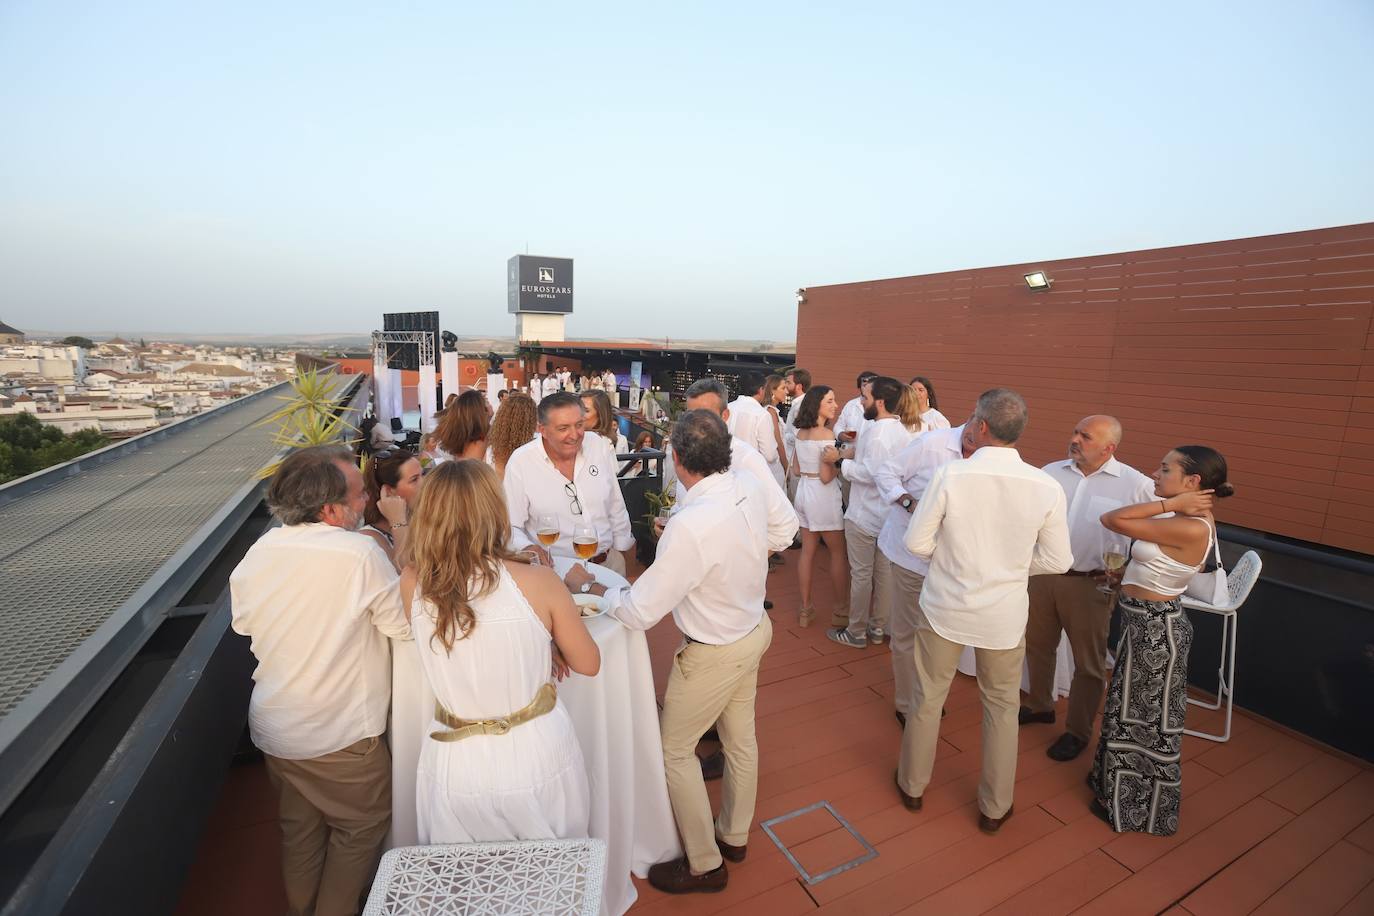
x=538 y=284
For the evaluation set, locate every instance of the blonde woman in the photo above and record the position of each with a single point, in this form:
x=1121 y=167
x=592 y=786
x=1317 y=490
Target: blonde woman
x=485 y=625
x=516 y=421
x=909 y=411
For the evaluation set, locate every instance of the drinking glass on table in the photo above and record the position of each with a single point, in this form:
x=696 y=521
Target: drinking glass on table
x=546 y=529
x=1113 y=561
x=584 y=542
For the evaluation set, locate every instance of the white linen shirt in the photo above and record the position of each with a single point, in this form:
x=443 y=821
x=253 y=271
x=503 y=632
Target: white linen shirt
x=712 y=561
x=987 y=523
x=851 y=418
x=535 y=486
x=877 y=443
x=317 y=604
x=751 y=422
x=908 y=473
x=1109 y=487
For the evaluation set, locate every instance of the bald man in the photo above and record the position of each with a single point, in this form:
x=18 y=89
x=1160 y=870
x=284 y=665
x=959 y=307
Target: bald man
x=1094 y=482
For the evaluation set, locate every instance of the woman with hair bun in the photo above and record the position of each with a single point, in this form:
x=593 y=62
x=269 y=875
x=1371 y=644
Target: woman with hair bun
x=1137 y=774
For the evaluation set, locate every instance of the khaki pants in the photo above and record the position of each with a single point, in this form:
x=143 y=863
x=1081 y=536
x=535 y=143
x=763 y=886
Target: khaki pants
x=334 y=812
x=904 y=613
x=999 y=682
x=867 y=583
x=1070 y=604
x=713 y=685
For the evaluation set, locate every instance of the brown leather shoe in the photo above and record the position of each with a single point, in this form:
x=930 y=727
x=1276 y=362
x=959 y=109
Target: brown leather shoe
x=911 y=802
x=713 y=765
x=732 y=853
x=676 y=877
x=993 y=824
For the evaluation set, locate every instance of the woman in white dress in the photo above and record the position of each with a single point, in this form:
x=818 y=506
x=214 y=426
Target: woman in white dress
x=485 y=625
x=462 y=429
x=925 y=393
x=774 y=394
x=909 y=411
x=818 y=502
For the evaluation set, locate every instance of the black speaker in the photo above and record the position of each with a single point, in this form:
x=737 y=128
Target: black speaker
x=407 y=356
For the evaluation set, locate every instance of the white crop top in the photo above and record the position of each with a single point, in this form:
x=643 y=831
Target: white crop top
x=1154 y=570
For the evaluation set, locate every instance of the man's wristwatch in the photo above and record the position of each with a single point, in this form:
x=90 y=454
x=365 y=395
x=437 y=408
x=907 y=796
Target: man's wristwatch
x=906 y=502
x=586 y=588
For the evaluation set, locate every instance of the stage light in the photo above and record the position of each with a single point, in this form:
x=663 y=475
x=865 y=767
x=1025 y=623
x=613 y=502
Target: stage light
x=1038 y=280
x=801 y=297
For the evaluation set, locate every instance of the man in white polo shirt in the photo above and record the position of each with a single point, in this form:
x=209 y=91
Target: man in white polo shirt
x=571 y=477
x=1094 y=483
x=987 y=523
x=318 y=601
x=749 y=421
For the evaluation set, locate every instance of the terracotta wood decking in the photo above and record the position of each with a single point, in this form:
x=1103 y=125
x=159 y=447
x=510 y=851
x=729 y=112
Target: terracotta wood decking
x=1271 y=823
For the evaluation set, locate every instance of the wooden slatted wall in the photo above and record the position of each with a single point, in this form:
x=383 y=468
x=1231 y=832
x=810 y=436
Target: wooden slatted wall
x=1262 y=348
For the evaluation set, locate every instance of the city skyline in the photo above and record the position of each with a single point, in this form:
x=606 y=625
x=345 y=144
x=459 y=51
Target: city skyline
x=299 y=171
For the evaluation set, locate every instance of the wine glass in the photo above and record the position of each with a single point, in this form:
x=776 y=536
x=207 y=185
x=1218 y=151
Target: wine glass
x=661 y=521
x=546 y=529
x=584 y=542
x=1113 y=559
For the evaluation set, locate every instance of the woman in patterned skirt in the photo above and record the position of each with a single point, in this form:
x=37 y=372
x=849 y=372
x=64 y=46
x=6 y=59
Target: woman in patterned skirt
x=1137 y=773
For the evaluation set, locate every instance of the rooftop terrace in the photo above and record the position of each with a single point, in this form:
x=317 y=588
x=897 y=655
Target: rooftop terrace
x=1271 y=823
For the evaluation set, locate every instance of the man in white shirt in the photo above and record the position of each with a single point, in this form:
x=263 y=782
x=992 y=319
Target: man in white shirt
x=749 y=420
x=883 y=437
x=571 y=477
x=987 y=523
x=550 y=384
x=318 y=602
x=902 y=481
x=709 y=574
x=853 y=413
x=1094 y=483
x=798 y=382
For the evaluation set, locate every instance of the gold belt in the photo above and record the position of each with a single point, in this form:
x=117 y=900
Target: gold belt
x=459 y=729
x=809 y=474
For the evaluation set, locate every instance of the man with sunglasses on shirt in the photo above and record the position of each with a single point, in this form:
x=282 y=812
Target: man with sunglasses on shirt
x=570 y=476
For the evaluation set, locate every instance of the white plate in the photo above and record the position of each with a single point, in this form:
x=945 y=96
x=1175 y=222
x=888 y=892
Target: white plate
x=591 y=605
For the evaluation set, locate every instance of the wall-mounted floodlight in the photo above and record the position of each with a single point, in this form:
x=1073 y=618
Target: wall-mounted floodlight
x=1038 y=280
x=801 y=297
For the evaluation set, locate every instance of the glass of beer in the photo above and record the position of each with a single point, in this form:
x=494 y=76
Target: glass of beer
x=584 y=542
x=546 y=529
x=1113 y=560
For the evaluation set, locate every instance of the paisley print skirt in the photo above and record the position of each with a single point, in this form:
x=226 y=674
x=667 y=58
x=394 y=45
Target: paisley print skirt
x=1137 y=773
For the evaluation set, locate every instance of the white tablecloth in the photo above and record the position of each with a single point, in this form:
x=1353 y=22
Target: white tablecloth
x=1063 y=668
x=615 y=715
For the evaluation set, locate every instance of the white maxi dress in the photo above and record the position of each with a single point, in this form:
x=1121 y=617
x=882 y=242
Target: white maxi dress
x=528 y=784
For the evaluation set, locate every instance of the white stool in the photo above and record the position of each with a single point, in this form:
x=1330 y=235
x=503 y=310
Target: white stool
x=1239 y=581
x=530 y=878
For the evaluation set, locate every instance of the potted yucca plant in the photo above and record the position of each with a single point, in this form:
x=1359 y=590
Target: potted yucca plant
x=310 y=415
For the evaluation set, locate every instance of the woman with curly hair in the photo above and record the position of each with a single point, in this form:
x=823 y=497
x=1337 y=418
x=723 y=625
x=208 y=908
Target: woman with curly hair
x=516 y=421
x=485 y=623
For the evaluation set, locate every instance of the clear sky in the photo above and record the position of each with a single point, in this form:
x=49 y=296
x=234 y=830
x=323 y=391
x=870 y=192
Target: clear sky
x=293 y=167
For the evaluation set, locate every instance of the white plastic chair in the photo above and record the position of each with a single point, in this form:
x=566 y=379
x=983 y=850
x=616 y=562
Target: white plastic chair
x=1239 y=581
x=529 y=878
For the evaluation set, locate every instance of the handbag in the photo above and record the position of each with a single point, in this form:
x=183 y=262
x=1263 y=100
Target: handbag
x=1208 y=585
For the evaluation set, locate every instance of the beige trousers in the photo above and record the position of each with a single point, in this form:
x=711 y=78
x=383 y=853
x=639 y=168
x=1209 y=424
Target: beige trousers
x=334 y=813
x=904 y=613
x=999 y=682
x=867 y=583
x=713 y=685
x=1073 y=605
